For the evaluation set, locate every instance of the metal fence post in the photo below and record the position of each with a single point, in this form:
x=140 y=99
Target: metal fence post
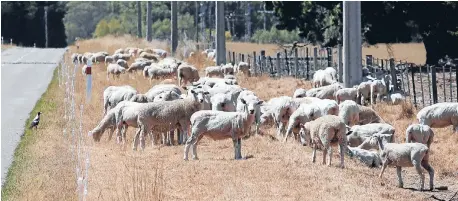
x=413 y=86
x=229 y=58
x=315 y=61
x=434 y=83
x=307 y=62
x=296 y=62
x=288 y=70
x=263 y=60
x=393 y=74
x=254 y=64
x=278 y=63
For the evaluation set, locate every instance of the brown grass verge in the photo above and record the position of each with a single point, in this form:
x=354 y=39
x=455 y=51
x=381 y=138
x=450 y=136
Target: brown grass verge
x=275 y=171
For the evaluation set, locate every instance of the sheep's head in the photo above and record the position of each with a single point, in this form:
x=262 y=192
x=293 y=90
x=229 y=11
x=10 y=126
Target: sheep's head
x=198 y=94
x=304 y=132
x=139 y=98
x=166 y=96
x=250 y=106
x=96 y=135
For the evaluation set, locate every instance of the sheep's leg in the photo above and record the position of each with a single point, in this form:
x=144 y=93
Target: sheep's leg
x=194 y=147
x=280 y=129
x=398 y=172
x=136 y=138
x=425 y=164
x=111 y=134
x=385 y=164
x=237 y=143
x=142 y=137
x=417 y=166
x=325 y=152
x=314 y=153
x=342 y=151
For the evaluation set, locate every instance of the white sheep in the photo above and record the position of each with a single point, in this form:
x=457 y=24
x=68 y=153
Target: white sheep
x=137 y=66
x=299 y=93
x=313 y=92
x=349 y=112
x=364 y=91
x=280 y=108
x=220 y=125
x=250 y=98
x=122 y=63
x=149 y=56
x=156 y=72
x=367 y=115
x=230 y=77
x=378 y=90
x=243 y=67
x=359 y=133
x=160 y=88
x=346 y=94
x=329 y=91
x=322 y=78
x=396 y=98
x=369 y=143
x=112 y=95
x=162 y=53
x=439 y=115
x=214 y=71
x=332 y=72
x=109 y=59
x=187 y=73
x=222 y=102
x=420 y=133
x=369 y=158
x=324 y=132
x=406 y=155
x=115 y=69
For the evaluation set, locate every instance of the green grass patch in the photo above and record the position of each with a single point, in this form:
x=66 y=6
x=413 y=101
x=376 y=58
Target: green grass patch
x=22 y=155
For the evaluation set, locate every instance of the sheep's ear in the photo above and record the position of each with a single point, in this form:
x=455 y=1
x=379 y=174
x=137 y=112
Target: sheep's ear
x=185 y=88
x=348 y=127
x=349 y=132
x=206 y=92
x=192 y=91
x=199 y=86
x=260 y=102
x=243 y=101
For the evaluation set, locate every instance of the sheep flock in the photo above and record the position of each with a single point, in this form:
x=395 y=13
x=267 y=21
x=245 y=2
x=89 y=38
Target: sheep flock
x=190 y=104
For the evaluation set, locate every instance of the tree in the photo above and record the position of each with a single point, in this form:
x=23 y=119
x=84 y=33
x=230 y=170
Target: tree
x=139 y=19
x=383 y=22
x=102 y=29
x=148 y=21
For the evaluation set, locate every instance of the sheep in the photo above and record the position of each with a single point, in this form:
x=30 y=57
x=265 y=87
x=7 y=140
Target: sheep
x=420 y=133
x=359 y=133
x=187 y=73
x=329 y=91
x=124 y=56
x=313 y=92
x=368 y=158
x=229 y=77
x=322 y=78
x=250 y=97
x=324 y=132
x=405 y=155
x=119 y=51
x=227 y=69
x=98 y=57
x=139 y=98
x=160 y=88
x=214 y=71
x=370 y=143
x=332 y=72
x=280 y=108
x=167 y=115
x=136 y=66
x=439 y=115
x=310 y=112
x=160 y=52
x=108 y=122
x=396 y=98
x=109 y=59
x=166 y=96
x=115 y=69
x=156 y=72
x=112 y=95
x=220 y=125
x=149 y=56
x=367 y=115
x=349 y=112
x=364 y=90
x=346 y=94
x=122 y=63
x=378 y=89
x=213 y=81
x=244 y=67
x=299 y=93
x=222 y=102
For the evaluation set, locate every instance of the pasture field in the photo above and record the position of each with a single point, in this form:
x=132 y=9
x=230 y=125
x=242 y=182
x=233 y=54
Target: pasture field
x=273 y=171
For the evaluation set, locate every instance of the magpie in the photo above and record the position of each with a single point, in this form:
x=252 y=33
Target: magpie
x=35 y=121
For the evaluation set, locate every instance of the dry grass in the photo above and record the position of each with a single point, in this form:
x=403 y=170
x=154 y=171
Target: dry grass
x=412 y=52
x=275 y=171
x=4 y=47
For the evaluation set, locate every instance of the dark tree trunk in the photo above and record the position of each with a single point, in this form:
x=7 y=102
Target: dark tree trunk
x=438 y=45
x=139 y=19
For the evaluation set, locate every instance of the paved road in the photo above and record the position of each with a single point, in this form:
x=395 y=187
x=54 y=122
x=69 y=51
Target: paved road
x=26 y=74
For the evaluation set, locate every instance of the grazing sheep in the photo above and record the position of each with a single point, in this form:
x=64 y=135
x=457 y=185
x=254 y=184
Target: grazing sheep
x=112 y=95
x=368 y=158
x=349 y=112
x=230 y=77
x=420 y=133
x=300 y=93
x=405 y=155
x=187 y=74
x=108 y=122
x=122 y=63
x=440 y=115
x=109 y=59
x=156 y=72
x=125 y=57
x=359 y=133
x=214 y=71
x=329 y=91
x=220 y=125
x=378 y=90
x=115 y=69
x=244 y=67
x=136 y=66
x=324 y=132
x=227 y=69
x=149 y=56
x=167 y=115
x=396 y=98
x=364 y=90
x=310 y=112
x=313 y=92
x=367 y=115
x=332 y=72
x=322 y=78
x=346 y=94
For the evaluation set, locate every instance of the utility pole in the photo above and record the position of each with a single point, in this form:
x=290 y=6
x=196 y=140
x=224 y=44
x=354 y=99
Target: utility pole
x=148 y=21
x=220 y=39
x=210 y=21
x=174 y=27
x=352 y=67
x=139 y=19
x=196 y=24
x=46 y=26
x=264 y=17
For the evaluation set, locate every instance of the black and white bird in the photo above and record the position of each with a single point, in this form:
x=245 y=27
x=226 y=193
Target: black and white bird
x=35 y=121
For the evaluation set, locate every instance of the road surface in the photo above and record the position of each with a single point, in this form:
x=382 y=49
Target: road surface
x=26 y=74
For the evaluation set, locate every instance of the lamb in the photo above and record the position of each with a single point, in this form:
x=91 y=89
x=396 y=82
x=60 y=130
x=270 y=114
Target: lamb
x=368 y=158
x=322 y=78
x=439 y=115
x=349 y=112
x=325 y=132
x=227 y=69
x=214 y=71
x=300 y=93
x=378 y=89
x=359 y=133
x=406 y=155
x=346 y=94
x=329 y=91
x=364 y=90
x=396 y=98
x=112 y=95
x=332 y=72
x=187 y=73
x=244 y=67
x=220 y=125
x=420 y=133
x=310 y=112
x=167 y=115
x=115 y=69
x=222 y=102
x=367 y=115
x=122 y=63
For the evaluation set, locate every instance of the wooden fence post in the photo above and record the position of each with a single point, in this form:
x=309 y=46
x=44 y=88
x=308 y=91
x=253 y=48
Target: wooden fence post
x=315 y=61
x=393 y=75
x=296 y=62
x=278 y=69
x=307 y=62
x=254 y=64
x=368 y=60
x=413 y=86
x=434 y=83
x=229 y=58
x=233 y=57
x=263 y=60
x=288 y=70
x=271 y=66
x=243 y=57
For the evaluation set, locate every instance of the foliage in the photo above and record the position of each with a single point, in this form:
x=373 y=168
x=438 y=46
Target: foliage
x=228 y=36
x=275 y=36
